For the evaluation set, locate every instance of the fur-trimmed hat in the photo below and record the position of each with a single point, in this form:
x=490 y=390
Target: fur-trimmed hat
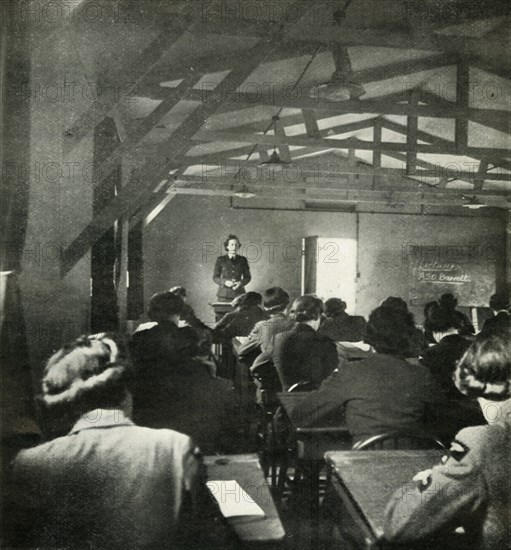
x=92 y=368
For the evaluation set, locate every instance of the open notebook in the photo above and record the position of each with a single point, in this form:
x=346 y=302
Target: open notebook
x=232 y=499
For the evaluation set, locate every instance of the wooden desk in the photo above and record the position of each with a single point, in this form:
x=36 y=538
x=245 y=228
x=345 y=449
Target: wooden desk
x=220 y=309
x=311 y=445
x=246 y=470
x=363 y=482
x=313 y=442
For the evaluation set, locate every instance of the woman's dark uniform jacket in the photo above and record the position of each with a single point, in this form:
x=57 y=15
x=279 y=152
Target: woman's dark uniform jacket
x=228 y=269
x=471 y=488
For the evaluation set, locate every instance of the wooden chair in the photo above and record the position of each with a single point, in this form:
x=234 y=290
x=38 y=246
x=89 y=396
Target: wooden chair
x=399 y=439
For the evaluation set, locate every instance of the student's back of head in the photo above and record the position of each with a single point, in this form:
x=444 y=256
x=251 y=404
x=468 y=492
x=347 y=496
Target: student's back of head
x=390 y=331
x=306 y=308
x=89 y=373
x=275 y=299
x=164 y=305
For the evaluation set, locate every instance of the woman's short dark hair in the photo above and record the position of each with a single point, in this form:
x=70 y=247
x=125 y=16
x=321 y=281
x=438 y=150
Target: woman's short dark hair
x=499 y=301
x=275 y=299
x=306 y=308
x=249 y=299
x=485 y=369
x=334 y=307
x=394 y=302
x=390 y=331
x=448 y=301
x=90 y=372
x=231 y=238
x=178 y=291
x=441 y=319
x=164 y=304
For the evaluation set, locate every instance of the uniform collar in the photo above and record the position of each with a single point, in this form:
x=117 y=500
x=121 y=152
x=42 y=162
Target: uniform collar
x=101 y=418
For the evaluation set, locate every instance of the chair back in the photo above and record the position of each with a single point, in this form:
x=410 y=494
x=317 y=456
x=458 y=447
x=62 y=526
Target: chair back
x=399 y=440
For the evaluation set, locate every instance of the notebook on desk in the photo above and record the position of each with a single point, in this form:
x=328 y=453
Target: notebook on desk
x=232 y=499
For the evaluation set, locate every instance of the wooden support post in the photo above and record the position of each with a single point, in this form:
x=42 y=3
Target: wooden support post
x=377 y=130
x=412 y=127
x=462 y=100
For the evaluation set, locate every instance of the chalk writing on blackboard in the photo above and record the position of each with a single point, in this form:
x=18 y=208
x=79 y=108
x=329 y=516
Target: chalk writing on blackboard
x=460 y=269
x=436 y=272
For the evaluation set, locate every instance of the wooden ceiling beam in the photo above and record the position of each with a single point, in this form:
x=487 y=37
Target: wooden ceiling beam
x=421 y=196
x=425 y=136
x=231 y=170
x=501 y=122
x=380 y=106
x=349 y=143
x=151 y=88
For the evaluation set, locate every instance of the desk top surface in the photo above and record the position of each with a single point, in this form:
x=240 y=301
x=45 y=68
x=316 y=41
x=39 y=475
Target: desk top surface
x=246 y=470
x=369 y=478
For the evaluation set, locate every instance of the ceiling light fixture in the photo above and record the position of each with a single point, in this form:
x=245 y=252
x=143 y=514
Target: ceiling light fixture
x=473 y=203
x=342 y=85
x=274 y=161
x=244 y=193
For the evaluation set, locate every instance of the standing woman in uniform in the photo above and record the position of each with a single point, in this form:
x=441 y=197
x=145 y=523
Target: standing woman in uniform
x=231 y=272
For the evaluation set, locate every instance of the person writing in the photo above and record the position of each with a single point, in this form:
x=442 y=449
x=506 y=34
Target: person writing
x=231 y=272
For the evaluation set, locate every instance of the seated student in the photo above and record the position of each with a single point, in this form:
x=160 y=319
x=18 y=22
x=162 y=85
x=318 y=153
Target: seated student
x=442 y=357
x=417 y=343
x=499 y=324
x=108 y=484
x=470 y=487
x=247 y=312
x=380 y=393
x=153 y=350
x=187 y=314
x=197 y=403
x=302 y=354
x=339 y=326
x=262 y=336
x=188 y=317
x=449 y=302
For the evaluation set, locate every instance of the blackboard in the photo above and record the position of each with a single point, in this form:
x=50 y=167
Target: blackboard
x=466 y=271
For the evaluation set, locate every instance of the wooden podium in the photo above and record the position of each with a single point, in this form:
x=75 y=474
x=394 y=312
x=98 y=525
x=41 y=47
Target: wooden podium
x=220 y=309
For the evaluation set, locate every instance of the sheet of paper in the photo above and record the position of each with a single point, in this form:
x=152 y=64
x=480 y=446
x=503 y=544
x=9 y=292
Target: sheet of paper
x=233 y=499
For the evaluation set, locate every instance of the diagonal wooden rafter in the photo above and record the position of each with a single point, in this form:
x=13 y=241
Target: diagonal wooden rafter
x=143 y=128
x=139 y=190
x=137 y=70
